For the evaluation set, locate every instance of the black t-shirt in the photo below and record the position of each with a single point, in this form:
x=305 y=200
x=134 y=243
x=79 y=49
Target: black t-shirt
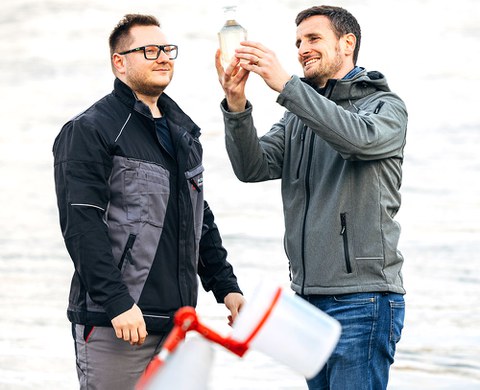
x=164 y=135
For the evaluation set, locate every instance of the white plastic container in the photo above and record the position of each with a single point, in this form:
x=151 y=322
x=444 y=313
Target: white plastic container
x=295 y=332
x=187 y=368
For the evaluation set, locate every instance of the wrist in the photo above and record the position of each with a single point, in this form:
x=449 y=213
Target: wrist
x=236 y=106
x=286 y=82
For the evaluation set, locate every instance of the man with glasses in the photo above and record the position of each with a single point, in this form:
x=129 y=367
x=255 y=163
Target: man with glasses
x=338 y=150
x=129 y=184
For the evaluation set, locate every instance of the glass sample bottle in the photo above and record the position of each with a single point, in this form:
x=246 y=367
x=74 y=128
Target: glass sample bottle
x=230 y=35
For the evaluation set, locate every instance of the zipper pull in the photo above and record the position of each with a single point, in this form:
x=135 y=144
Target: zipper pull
x=379 y=106
x=343 y=224
x=304 y=131
x=195 y=185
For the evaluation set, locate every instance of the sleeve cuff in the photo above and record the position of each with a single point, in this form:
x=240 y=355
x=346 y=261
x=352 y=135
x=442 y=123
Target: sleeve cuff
x=119 y=306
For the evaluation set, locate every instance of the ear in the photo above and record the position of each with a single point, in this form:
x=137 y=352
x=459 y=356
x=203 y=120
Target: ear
x=349 y=43
x=118 y=63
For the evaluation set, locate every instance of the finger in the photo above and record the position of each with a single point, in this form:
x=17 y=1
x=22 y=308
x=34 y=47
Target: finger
x=254 y=45
x=253 y=48
x=241 y=75
x=134 y=336
x=142 y=334
x=218 y=63
x=126 y=334
x=254 y=59
x=118 y=333
x=141 y=340
x=240 y=306
x=250 y=67
x=232 y=68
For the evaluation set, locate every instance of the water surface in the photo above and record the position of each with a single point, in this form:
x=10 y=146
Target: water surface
x=55 y=64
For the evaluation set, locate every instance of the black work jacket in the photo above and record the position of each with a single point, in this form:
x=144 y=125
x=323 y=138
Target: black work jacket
x=133 y=216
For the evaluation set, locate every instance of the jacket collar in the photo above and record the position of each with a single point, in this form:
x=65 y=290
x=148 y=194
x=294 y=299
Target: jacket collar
x=168 y=107
x=360 y=84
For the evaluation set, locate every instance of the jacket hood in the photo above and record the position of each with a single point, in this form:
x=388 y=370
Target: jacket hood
x=361 y=85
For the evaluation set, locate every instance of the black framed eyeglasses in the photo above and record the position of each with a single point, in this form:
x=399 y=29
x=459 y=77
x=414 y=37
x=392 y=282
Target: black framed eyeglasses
x=152 y=52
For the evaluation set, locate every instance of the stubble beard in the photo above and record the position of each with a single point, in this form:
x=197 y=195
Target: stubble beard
x=146 y=89
x=325 y=71
x=145 y=86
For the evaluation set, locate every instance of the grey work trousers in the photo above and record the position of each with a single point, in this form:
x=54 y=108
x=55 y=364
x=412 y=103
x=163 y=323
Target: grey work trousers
x=105 y=362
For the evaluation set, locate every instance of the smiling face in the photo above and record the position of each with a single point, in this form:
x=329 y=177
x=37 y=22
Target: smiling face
x=321 y=53
x=144 y=77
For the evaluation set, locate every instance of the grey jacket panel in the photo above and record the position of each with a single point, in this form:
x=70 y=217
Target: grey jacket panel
x=340 y=164
x=140 y=193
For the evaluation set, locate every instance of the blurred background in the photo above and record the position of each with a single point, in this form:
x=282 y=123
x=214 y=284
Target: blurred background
x=55 y=63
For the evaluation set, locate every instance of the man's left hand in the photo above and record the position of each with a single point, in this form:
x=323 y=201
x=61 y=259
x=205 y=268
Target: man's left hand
x=234 y=302
x=262 y=61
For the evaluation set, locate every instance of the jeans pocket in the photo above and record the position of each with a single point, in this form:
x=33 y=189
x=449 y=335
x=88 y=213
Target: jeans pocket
x=357 y=315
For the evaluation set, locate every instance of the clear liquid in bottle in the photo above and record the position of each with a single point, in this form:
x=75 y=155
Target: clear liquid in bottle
x=230 y=36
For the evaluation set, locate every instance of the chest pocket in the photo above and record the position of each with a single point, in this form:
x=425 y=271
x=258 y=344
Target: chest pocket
x=146 y=193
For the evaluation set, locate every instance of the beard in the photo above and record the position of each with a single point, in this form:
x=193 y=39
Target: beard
x=145 y=88
x=146 y=85
x=324 y=70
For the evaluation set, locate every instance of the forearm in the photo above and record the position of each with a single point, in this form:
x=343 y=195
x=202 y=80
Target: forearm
x=215 y=272
x=89 y=247
x=251 y=159
x=359 y=133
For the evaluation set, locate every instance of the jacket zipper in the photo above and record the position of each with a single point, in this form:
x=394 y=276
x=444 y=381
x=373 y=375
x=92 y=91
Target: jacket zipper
x=184 y=149
x=379 y=107
x=302 y=150
x=343 y=233
x=128 y=247
x=307 y=205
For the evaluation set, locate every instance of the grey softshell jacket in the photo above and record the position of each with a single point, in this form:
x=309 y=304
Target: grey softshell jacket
x=339 y=155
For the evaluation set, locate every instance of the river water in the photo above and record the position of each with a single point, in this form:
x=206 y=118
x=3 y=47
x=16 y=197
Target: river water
x=54 y=63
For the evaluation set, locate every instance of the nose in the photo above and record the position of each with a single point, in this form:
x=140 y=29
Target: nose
x=303 y=48
x=303 y=51
x=162 y=57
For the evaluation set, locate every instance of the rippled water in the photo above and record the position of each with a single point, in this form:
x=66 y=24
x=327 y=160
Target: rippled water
x=54 y=63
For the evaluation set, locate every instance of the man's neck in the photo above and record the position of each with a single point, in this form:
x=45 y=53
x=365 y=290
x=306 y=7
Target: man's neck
x=344 y=73
x=151 y=102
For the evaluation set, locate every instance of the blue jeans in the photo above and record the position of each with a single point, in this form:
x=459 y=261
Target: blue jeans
x=371 y=327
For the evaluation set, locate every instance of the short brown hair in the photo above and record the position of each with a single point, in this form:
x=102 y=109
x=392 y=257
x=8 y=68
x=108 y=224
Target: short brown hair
x=119 y=37
x=343 y=22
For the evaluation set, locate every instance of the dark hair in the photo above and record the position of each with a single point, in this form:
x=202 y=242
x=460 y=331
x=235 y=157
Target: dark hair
x=343 y=22
x=119 y=37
